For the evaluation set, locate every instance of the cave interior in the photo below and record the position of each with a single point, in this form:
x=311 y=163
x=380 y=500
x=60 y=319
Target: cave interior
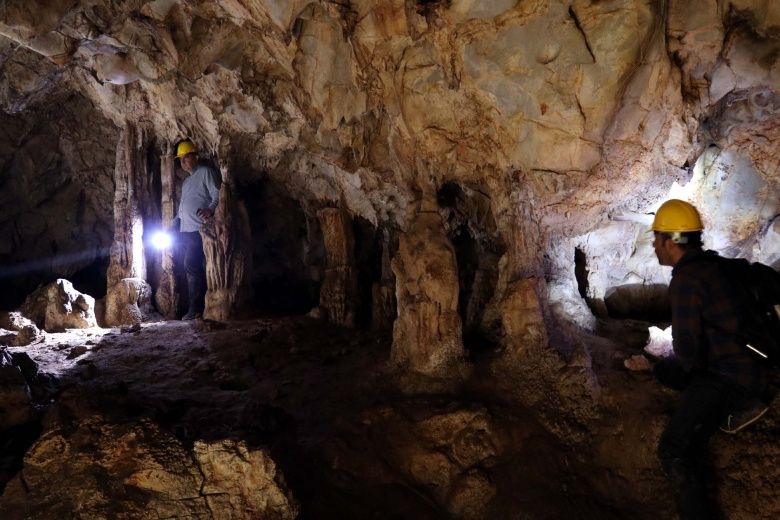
x=432 y=290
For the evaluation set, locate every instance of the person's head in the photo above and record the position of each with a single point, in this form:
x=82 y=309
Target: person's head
x=677 y=228
x=187 y=155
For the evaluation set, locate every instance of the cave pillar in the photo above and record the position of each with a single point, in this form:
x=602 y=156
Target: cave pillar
x=427 y=331
x=338 y=294
x=167 y=297
x=227 y=241
x=383 y=291
x=127 y=262
x=519 y=305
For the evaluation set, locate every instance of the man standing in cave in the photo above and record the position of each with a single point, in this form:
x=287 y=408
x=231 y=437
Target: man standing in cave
x=722 y=381
x=199 y=198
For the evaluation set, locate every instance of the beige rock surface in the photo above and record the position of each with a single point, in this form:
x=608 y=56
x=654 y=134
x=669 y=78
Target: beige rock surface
x=58 y=306
x=241 y=481
x=127 y=303
x=25 y=331
x=427 y=331
x=99 y=469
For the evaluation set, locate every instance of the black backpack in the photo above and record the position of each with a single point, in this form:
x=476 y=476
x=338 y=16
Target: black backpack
x=758 y=289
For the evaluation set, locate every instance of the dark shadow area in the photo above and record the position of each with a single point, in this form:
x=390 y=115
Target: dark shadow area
x=91 y=280
x=648 y=302
x=368 y=263
x=581 y=271
x=472 y=231
x=287 y=251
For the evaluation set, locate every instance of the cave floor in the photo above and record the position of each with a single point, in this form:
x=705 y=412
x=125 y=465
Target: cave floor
x=319 y=396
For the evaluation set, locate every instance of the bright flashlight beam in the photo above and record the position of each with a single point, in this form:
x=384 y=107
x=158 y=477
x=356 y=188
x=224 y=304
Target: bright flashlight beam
x=53 y=263
x=161 y=240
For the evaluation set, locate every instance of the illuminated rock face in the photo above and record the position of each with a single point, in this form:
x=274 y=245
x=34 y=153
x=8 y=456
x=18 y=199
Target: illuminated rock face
x=59 y=306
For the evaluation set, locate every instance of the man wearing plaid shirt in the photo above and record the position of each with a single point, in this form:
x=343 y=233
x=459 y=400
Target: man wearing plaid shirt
x=721 y=380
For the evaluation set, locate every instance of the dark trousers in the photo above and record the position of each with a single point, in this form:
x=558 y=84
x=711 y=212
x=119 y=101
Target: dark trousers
x=707 y=400
x=195 y=266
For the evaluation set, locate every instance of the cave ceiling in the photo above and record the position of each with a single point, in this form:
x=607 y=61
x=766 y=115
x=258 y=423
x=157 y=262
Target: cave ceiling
x=563 y=113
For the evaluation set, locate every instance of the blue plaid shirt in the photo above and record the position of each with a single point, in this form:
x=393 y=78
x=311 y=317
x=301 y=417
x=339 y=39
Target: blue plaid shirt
x=705 y=316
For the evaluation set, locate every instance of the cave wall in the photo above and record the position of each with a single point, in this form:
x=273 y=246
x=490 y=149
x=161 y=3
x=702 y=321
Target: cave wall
x=56 y=191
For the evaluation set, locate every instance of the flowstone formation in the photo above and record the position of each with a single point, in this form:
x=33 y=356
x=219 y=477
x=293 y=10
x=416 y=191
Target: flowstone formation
x=477 y=177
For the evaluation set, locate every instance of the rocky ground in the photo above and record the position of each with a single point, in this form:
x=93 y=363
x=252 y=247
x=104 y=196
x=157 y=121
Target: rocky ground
x=318 y=402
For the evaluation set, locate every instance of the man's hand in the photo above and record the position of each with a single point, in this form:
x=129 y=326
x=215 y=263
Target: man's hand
x=205 y=213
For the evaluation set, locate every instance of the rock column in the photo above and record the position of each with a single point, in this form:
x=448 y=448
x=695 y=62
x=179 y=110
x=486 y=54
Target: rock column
x=518 y=304
x=167 y=297
x=126 y=274
x=227 y=243
x=338 y=295
x=427 y=332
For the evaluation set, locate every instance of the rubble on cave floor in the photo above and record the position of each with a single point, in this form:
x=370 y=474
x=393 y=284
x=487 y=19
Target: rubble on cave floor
x=317 y=401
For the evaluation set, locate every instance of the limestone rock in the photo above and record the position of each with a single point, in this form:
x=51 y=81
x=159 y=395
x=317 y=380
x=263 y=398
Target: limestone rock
x=127 y=301
x=471 y=495
x=102 y=469
x=446 y=453
x=25 y=330
x=338 y=294
x=58 y=306
x=427 y=332
x=522 y=318
x=226 y=245
x=242 y=483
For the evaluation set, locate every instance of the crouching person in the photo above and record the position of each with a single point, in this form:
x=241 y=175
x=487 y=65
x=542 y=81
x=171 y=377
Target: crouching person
x=721 y=381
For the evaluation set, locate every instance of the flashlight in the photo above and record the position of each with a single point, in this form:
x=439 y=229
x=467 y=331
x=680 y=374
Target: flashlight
x=161 y=240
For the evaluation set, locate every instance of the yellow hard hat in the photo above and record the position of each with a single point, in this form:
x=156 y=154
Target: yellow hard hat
x=184 y=148
x=676 y=215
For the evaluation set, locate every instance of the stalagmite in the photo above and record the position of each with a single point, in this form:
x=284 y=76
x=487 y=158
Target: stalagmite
x=226 y=243
x=427 y=333
x=132 y=201
x=167 y=296
x=338 y=295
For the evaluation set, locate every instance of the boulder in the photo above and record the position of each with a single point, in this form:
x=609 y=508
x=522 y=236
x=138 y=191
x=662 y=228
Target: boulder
x=100 y=468
x=22 y=331
x=58 y=306
x=242 y=483
x=127 y=302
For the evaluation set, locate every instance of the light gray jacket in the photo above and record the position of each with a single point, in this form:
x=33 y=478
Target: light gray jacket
x=200 y=190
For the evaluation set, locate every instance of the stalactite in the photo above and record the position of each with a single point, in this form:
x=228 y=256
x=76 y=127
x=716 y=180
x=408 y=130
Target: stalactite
x=226 y=243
